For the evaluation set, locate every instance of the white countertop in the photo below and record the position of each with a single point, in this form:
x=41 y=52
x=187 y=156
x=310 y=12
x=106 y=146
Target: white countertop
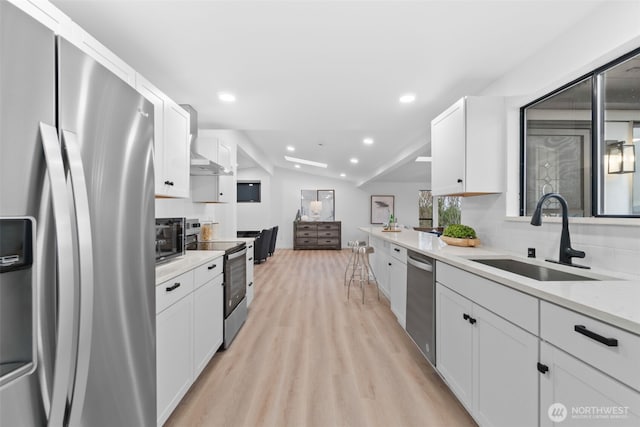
x=189 y=261
x=613 y=301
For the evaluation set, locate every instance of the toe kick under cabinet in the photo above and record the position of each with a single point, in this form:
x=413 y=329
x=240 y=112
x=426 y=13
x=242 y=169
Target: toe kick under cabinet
x=317 y=235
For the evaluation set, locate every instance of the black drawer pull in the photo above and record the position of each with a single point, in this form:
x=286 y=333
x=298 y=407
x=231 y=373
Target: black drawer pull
x=465 y=316
x=396 y=249
x=168 y=182
x=211 y=267
x=250 y=283
x=581 y=329
x=459 y=181
x=250 y=259
x=543 y=369
x=174 y=287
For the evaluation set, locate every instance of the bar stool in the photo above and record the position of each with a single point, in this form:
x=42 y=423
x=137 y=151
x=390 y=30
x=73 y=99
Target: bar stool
x=363 y=270
x=351 y=264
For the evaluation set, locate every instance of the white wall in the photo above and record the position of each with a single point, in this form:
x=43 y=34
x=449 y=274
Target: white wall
x=405 y=201
x=580 y=50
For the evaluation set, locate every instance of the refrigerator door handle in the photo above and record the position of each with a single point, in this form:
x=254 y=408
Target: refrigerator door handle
x=71 y=150
x=66 y=274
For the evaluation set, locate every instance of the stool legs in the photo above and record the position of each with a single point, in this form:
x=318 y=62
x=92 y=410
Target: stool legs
x=362 y=268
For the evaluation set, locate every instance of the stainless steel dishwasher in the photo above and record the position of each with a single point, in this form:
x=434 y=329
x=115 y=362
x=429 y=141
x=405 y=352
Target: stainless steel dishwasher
x=421 y=303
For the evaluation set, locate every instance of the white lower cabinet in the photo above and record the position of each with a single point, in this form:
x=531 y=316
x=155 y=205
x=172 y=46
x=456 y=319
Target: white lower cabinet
x=489 y=363
x=573 y=393
x=250 y=286
x=207 y=324
x=174 y=361
x=397 y=265
x=189 y=322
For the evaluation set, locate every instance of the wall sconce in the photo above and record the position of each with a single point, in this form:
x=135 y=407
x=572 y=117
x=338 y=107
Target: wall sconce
x=622 y=158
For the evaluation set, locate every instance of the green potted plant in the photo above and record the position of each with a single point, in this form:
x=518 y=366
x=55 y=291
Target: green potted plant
x=460 y=235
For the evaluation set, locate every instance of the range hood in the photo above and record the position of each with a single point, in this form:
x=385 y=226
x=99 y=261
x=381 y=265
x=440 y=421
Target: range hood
x=201 y=165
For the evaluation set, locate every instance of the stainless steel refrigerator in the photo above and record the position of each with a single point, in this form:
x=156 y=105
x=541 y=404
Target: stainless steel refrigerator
x=77 y=301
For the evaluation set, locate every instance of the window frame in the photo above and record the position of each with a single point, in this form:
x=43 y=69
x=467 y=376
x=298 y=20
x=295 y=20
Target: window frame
x=597 y=134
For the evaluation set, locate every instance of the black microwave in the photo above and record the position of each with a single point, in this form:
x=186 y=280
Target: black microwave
x=169 y=238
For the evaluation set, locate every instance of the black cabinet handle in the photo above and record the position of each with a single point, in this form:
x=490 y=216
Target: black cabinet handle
x=250 y=258
x=581 y=329
x=459 y=181
x=389 y=263
x=543 y=369
x=174 y=287
x=250 y=283
x=468 y=318
x=168 y=182
x=211 y=267
x=396 y=249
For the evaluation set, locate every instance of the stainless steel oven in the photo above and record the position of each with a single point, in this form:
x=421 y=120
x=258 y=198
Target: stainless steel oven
x=235 y=284
x=169 y=238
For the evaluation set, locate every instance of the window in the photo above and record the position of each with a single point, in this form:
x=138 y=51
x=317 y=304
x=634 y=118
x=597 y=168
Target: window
x=580 y=141
x=449 y=210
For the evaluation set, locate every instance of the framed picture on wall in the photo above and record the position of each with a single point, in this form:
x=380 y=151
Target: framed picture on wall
x=381 y=209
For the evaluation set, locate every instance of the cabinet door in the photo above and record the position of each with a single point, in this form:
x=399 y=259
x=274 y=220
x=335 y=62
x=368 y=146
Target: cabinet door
x=576 y=390
x=505 y=375
x=207 y=322
x=448 y=143
x=398 y=288
x=250 y=286
x=176 y=149
x=156 y=97
x=174 y=355
x=454 y=343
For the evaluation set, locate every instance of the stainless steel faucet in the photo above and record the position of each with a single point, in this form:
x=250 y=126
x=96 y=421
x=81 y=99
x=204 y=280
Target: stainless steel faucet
x=566 y=251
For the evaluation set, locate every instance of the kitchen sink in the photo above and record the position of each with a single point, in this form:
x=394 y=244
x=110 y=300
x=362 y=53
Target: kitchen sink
x=532 y=271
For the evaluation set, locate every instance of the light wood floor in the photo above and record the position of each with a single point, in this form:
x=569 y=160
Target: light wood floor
x=308 y=357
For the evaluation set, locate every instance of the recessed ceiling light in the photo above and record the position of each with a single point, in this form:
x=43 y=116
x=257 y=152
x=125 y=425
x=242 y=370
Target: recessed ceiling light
x=423 y=159
x=305 y=162
x=291 y=148
x=226 y=97
x=407 y=98
x=296 y=166
x=343 y=175
x=368 y=141
x=353 y=160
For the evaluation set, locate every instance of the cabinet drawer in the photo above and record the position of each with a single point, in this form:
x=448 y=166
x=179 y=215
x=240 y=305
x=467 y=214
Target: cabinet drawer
x=328 y=233
x=561 y=327
x=398 y=252
x=324 y=227
x=307 y=233
x=173 y=290
x=328 y=241
x=513 y=305
x=306 y=242
x=307 y=227
x=207 y=271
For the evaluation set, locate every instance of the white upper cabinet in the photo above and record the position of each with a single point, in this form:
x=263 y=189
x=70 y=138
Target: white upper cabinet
x=176 y=150
x=171 y=142
x=468 y=149
x=92 y=47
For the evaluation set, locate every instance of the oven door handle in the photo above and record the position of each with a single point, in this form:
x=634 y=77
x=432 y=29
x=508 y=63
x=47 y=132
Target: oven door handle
x=238 y=254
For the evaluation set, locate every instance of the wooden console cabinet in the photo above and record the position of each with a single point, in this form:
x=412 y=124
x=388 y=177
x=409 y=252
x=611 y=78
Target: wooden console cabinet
x=317 y=235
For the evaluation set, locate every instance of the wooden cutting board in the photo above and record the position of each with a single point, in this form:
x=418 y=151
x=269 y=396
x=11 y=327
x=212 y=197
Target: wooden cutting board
x=454 y=241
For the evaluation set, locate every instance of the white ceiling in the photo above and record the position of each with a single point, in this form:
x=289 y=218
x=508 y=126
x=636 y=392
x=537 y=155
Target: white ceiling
x=307 y=73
